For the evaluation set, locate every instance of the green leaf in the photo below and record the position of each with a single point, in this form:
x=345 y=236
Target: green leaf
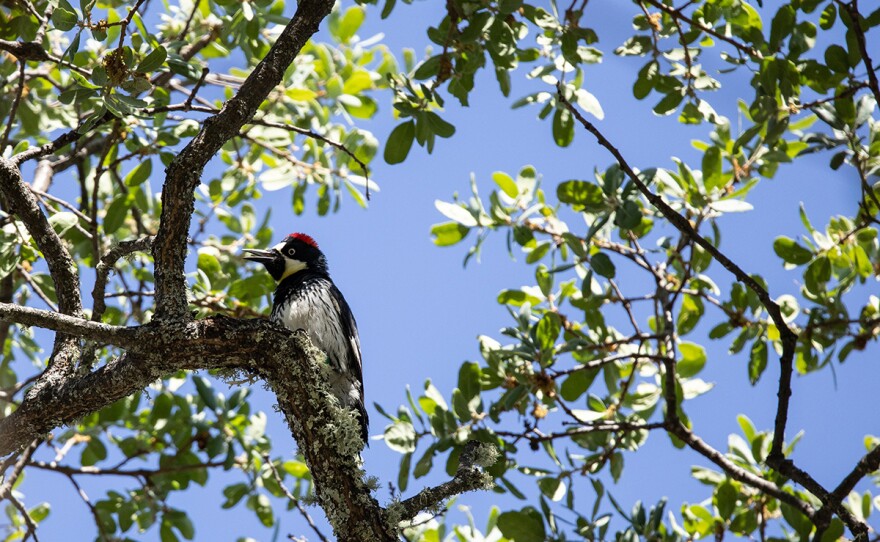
x=469 y=380
x=153 y=60
x=724 y=499
x=577 y=383
x=553 y=488
x=208 y=261
x=438 y=125
x=817 y=274
x=547 y=331
x=40 y=512
x=692 y=310
x=234 y=493
x=448 y=233
x=828 y=16
x=602 y=265
x=757 y=360
x=782 y=26
x=563 y=127
x=790 y=251
x=401 y=437
x=261 y=505
x=506 y=183
x=115 y=214
x=64 y=19
x=206 y=393
x=63 y=221
x=139 y=174
x=581 y=194
x=400 y=142
x=837 y=58
x=523 y=526
x=693 y=359
x=350 y=23
x=403 y=473
x=517 y=298
x=628 y=215
x=712 y=168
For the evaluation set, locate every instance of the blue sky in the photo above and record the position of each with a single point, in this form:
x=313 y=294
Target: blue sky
x=419 y=311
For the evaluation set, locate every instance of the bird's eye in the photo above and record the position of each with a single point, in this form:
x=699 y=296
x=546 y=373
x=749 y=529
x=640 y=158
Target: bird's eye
x=291 y=251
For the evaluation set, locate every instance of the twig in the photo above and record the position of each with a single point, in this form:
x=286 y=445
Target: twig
x=127 y=21
x=189 y=20
x=23 y=458
x=319 y=137
x=85 y=498
x=43 y=177
x=292 y=498
x=188 y=104
x=134 y=473
x=28 y=520
x=853 y=9
x=72 y=208
x=123 y=337
x=677 y=14
x=36 y=288
x=14 y=109
x=108 y=261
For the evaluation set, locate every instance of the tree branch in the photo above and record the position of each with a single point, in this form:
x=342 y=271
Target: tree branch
x=677 y=14
x=124 y=337
x=776 y=459
x=468 y=477
x=852 y=8
x=108 y=261
x=184 y=173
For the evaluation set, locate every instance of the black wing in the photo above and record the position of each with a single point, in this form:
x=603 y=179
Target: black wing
x=354 y=363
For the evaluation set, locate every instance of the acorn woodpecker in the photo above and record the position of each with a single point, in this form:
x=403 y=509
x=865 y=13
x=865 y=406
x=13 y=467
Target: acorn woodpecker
x=307 y=299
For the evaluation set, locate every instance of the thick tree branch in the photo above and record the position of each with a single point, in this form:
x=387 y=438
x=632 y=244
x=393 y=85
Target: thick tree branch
x=22 y=202
x=24 y=51
x=328 y=435
x=124 y=337
x=184 y=173
x=63 y=270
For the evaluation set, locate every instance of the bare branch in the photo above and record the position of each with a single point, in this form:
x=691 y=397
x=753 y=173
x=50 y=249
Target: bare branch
x=124 y=337
x=108 y=261
x=14 y=109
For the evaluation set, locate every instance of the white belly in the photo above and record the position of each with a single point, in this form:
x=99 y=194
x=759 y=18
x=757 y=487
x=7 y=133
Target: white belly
x=316 y=313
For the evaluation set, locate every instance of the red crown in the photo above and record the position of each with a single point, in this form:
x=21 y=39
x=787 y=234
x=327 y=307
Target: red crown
x=304 y=238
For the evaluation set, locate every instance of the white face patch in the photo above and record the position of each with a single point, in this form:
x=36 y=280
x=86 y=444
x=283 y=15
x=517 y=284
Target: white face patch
x=291 y=265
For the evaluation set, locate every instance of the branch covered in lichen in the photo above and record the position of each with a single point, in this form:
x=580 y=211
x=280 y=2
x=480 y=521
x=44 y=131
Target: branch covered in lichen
x=468 y=477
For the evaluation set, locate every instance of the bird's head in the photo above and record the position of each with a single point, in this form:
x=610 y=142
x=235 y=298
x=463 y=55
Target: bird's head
x=297 y=252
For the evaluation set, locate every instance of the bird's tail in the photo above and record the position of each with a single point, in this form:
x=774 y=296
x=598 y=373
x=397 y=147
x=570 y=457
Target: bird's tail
x=363 y=419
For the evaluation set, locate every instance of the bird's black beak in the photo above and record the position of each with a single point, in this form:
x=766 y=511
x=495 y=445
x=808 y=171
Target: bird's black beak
x=262 y=256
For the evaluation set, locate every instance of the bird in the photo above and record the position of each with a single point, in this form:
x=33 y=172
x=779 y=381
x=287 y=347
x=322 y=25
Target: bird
x=306 y=298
